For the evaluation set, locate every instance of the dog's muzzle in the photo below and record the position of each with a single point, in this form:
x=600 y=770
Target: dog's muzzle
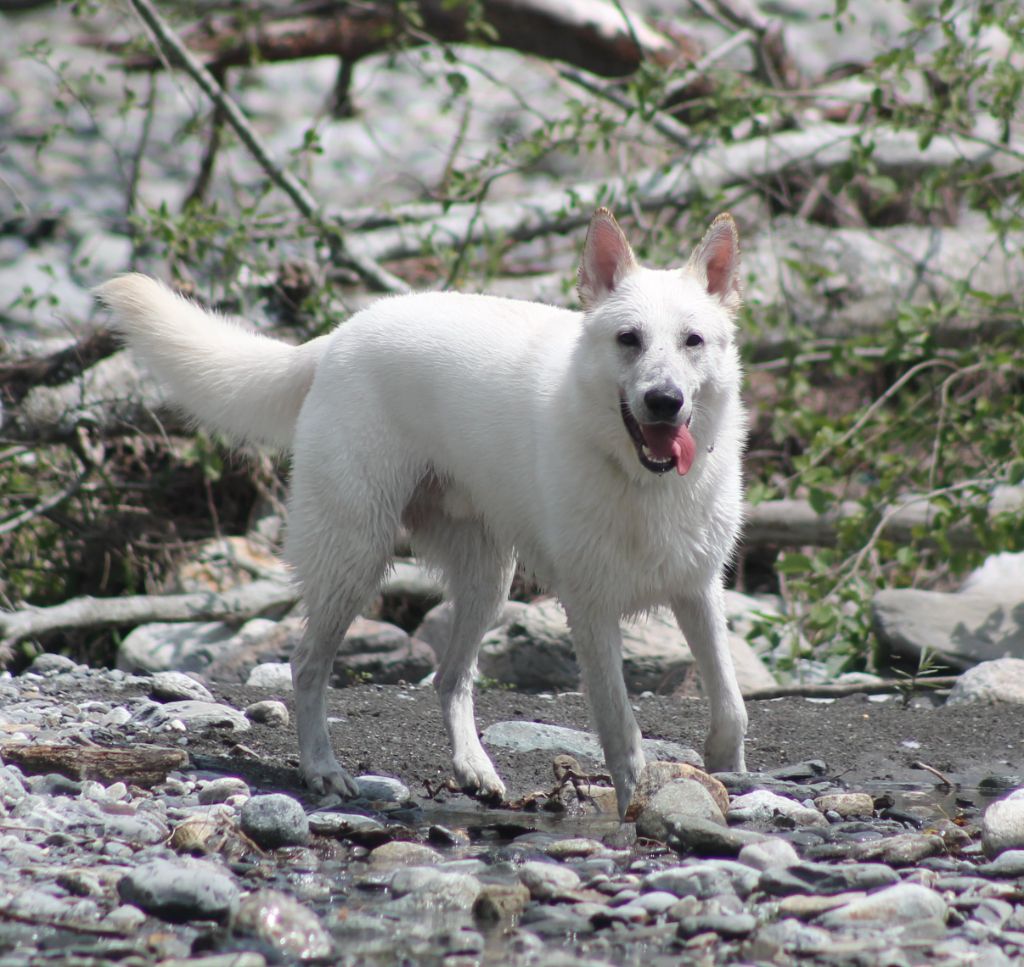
x=661 y=446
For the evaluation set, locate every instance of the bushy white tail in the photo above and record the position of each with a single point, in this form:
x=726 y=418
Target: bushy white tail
x=227 y=378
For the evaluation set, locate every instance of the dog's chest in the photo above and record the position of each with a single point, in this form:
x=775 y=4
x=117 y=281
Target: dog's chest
x=643 y=546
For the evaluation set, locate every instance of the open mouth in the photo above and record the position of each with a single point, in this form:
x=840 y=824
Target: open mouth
x=660 y=447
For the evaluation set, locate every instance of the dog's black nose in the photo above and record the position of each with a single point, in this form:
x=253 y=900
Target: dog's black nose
x=664 y=402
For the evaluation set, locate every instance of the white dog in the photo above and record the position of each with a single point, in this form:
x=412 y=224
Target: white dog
x=601 y=448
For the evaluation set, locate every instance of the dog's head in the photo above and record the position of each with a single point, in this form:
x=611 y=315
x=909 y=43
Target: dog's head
x=662 y=340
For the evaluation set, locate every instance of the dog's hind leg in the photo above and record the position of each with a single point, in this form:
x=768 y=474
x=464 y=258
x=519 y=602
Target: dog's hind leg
x=598 y=641
x=478 y=573
x=702 y=620
x=340 y=552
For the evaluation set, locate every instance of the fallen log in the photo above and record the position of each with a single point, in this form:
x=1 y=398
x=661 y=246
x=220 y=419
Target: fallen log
x=815 y=149
x=795 y=523
x=111 y=398
x=18 y=376
x=594 y=35
x=137 y=765
x=88 y=613
x=842 y=283
x=887 y=686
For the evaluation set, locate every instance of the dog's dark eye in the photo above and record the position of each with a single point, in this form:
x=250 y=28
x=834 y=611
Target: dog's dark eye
x=694 y=340
x=629 y=338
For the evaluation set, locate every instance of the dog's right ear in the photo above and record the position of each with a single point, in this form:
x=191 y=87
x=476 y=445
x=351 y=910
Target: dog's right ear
x=607 y=259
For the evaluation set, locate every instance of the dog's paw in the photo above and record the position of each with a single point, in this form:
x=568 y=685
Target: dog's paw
x=722 y=756
x=477 y=776
x=329 y=778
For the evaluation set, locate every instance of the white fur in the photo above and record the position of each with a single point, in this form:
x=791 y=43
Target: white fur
x=492 y=429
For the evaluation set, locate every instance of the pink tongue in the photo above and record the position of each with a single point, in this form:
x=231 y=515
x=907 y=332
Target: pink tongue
x=675 y=442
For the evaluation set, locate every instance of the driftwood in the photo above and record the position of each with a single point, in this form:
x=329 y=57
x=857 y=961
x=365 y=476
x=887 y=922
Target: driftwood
x=590 y=34
x=819 y=148
x=138 y=765
x=889 y=686
x=109 y=399
x=794 y=523
x=238 y=604
x=845 y=282
x=18 y=376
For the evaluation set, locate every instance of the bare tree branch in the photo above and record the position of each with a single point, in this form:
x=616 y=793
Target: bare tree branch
x=372 y=273
x=45 y=505
x=19 y=375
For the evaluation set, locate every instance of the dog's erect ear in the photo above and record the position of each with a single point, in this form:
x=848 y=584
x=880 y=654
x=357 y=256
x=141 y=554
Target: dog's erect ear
x=607 y=259
x=716 y=261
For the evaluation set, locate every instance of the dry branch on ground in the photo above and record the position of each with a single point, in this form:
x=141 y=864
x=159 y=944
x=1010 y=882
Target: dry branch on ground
x=238 y=604
x=590 y=34
x=812 y=150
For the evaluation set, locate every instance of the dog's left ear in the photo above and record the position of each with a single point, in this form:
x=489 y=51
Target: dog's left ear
x=716 y=261
x=607 y=259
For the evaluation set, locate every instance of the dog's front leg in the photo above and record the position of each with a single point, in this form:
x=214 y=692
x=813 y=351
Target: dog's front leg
x=702 y=620
x=598 y=642
x=312 y=664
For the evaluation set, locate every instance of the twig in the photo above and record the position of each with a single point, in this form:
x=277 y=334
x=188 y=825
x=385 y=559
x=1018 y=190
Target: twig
x=866 y=416
x=168 y=41
x=45 y=505
x=940 y=422
x=889 y=686
x=858 y=562
x=944 y=780
x=664 y=124
x=775 y=62
x=205 y=173
x=132 y=192
x=694 y=73
x=630 y=29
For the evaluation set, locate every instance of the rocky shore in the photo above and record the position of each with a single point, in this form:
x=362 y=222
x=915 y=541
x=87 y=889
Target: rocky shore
x=221 y=860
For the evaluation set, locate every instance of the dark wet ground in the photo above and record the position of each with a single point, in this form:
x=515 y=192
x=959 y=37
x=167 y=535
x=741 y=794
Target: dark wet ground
x=397 y=731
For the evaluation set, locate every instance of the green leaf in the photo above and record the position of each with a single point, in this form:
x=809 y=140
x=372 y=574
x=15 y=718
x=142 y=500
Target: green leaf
x=793 y=562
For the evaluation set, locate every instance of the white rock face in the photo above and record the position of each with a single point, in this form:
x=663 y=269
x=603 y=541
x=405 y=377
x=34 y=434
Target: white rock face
x=1002 y=828
x=763 y=806
x=271 y=674
x=894 y=905
x=990 y=682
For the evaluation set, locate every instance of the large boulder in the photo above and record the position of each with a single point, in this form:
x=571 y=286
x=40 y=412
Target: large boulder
x=982 y=622
x=534 y=651
x=989 y=683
